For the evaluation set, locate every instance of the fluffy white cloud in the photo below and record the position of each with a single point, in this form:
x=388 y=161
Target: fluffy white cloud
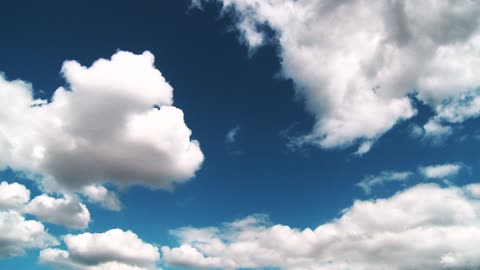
x=18 y=234
x=356 y=61
x=13 y=196
x=424 y=227
x=64 y=211
x=114 y=249
x=367 y=183
x=440 y=171
x=101 y=195
x=113 y=123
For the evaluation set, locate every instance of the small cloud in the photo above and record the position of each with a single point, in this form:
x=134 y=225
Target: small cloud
x=114 y=249
x=440 y=171
x=436 y=131
x=386 y=176
x=364 y=148
x=416 y=131
x=231 y=136
x=68 y=212
x=105 y=198
x=196 y=4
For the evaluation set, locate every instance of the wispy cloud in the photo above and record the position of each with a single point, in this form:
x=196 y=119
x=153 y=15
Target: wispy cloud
x=231 y=135
x=371 y=181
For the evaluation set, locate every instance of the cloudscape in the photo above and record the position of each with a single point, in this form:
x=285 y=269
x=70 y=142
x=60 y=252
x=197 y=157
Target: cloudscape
x=240 y=134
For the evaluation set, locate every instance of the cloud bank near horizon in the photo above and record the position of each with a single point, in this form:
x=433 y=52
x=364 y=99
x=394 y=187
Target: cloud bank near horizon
x=423 y=227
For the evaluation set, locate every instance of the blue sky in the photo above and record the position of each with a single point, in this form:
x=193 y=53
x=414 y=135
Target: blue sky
x=291 y=104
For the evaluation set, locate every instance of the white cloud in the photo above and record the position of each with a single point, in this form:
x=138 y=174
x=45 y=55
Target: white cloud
x=424 y=227
x=13 y=196
x=101 y=195
x=355 y=62
x=436 y=131
x=102 y=128
x=451 y=112
x=64 y=211
x=474 y=190
x=367 y=183
x=440 y=171
x=18 y=234
x=232 y=135
x=60 y=259
x=460 y=108
x=114 y=249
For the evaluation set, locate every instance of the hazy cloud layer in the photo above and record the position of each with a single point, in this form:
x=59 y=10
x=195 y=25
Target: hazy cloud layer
x=356 y=61
x=424 y=227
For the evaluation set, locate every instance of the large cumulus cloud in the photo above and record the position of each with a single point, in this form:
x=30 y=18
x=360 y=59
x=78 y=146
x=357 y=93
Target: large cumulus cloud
x=113 y=122
x=423 y=227
x=356 y=61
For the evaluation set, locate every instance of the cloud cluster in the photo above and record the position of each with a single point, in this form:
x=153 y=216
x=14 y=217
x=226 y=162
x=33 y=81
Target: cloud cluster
x=66 y=211
x=114 y=249
x=424 y=227
x=113 y=122
x=356 y=62
x=17 y=233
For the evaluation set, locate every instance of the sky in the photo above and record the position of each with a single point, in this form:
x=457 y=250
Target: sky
x=240 y=134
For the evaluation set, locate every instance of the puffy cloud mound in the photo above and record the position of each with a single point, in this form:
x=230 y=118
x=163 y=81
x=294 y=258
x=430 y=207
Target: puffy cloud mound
x=114 y=249
x=113 y=123
x=101 y=195
x=355 y=62
x=13 y=196
x=424 y=227
x=18 y=234
x=64 y=211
